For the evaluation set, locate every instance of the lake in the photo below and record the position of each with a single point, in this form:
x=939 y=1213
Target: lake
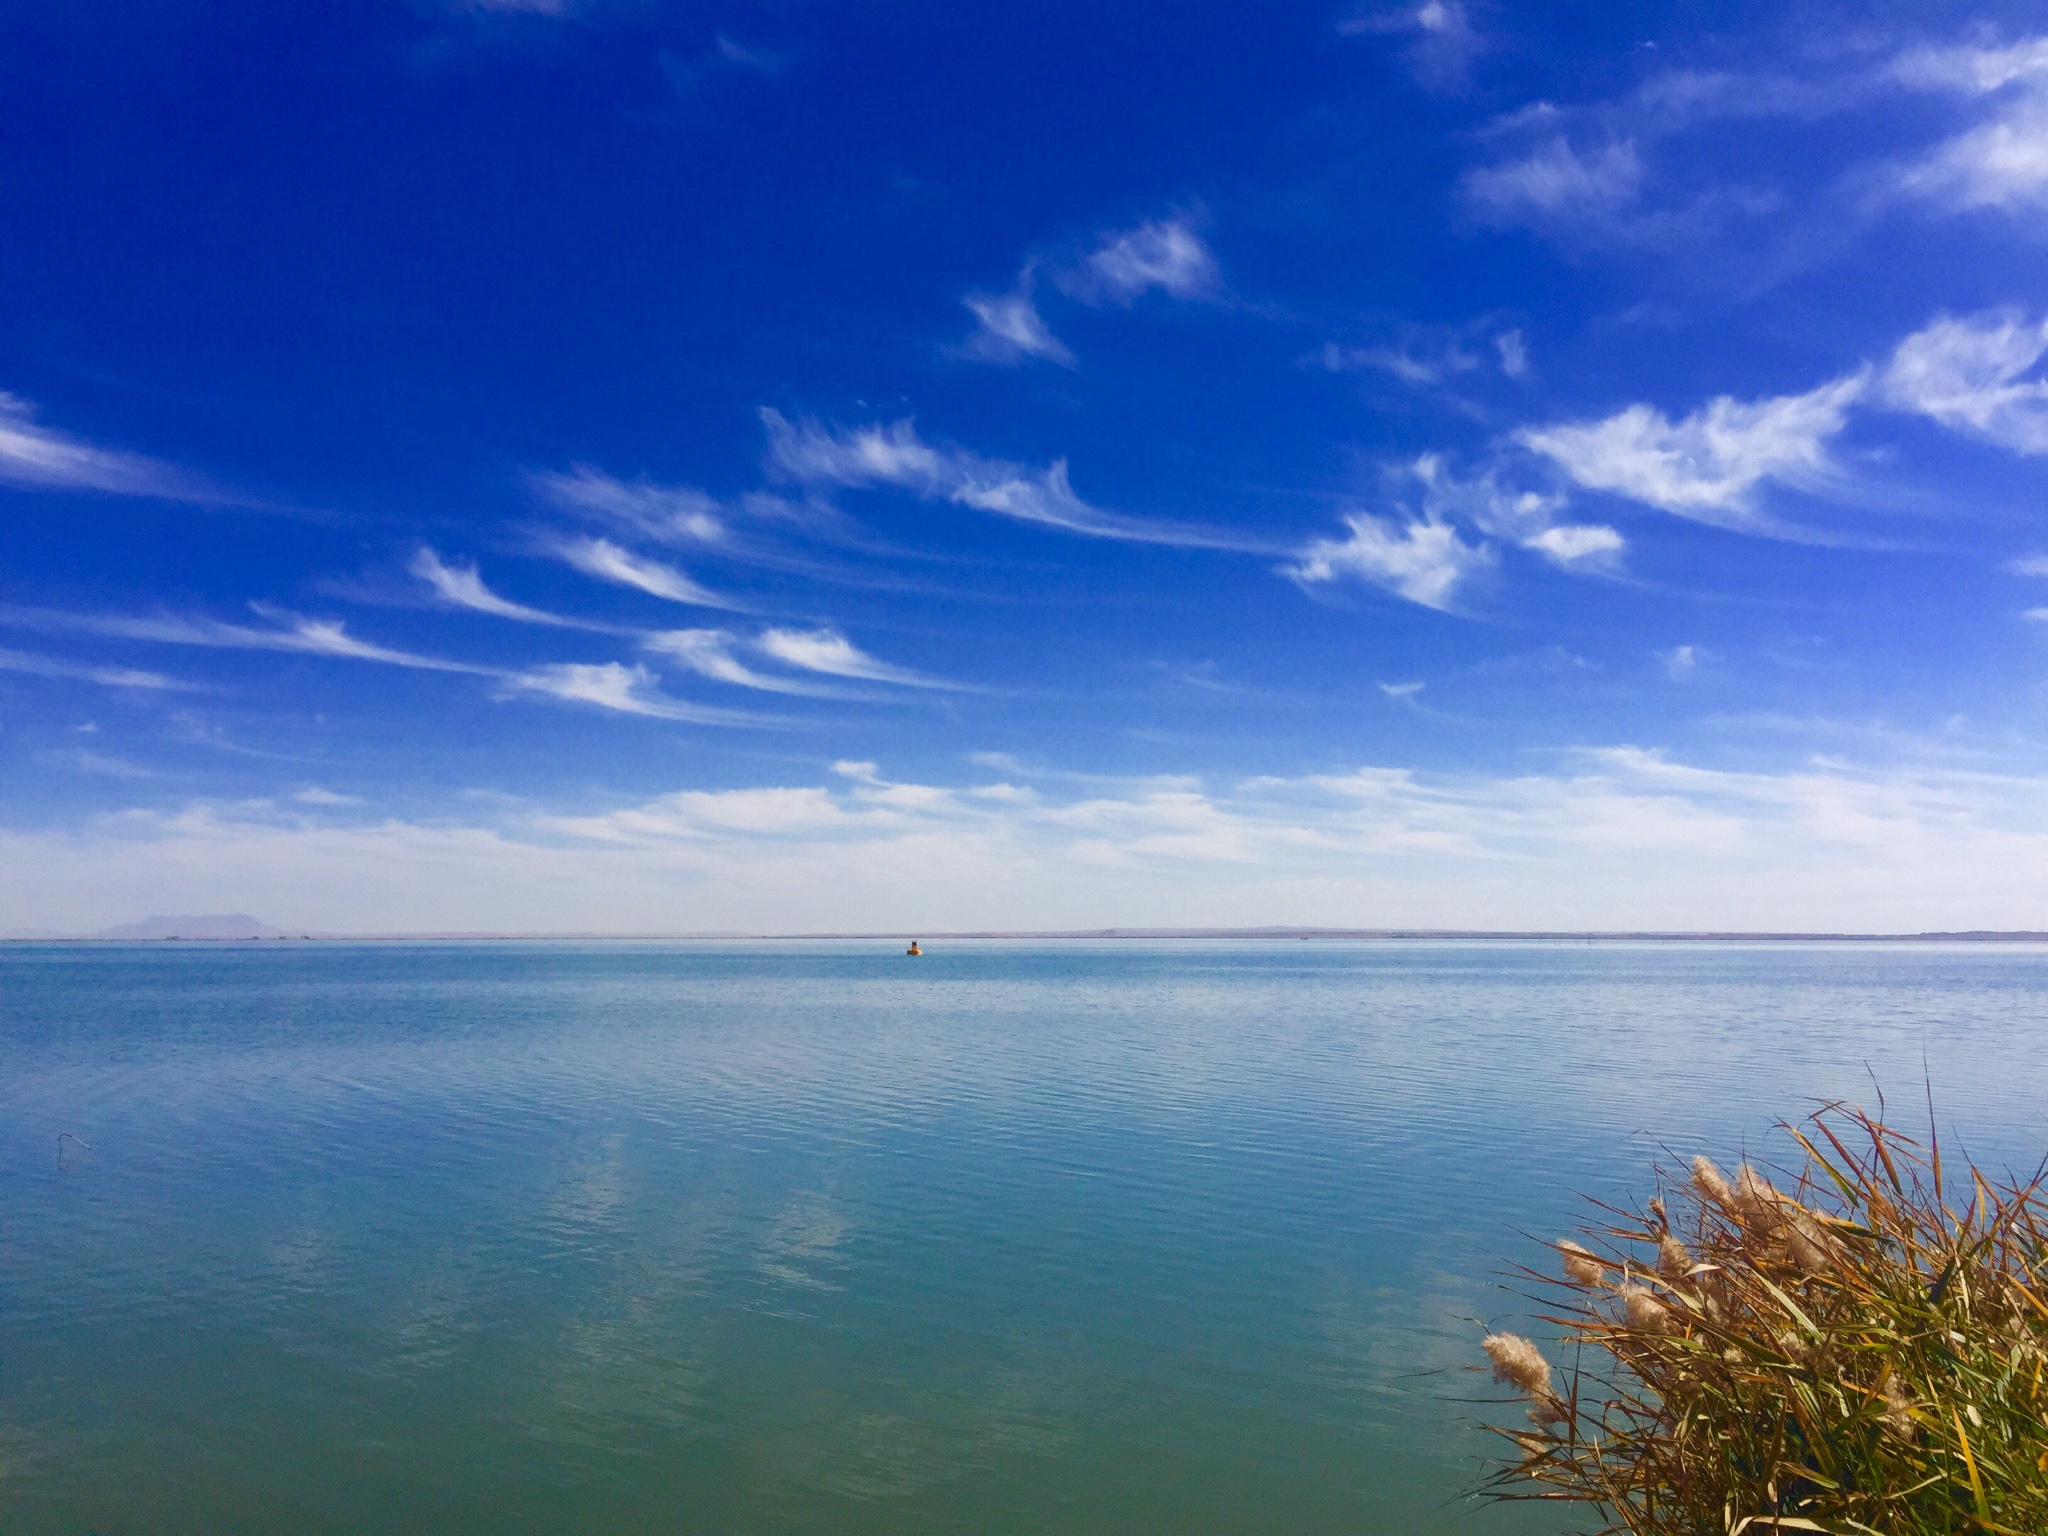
x=1181 y=1237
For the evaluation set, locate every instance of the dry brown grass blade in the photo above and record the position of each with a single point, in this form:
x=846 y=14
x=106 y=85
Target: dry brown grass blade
x=1845 y=1352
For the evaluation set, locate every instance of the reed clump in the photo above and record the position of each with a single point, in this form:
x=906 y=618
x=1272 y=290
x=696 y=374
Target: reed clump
x=1859 y=1350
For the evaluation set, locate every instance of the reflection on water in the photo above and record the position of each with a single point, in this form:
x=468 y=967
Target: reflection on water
x=1190 y=1238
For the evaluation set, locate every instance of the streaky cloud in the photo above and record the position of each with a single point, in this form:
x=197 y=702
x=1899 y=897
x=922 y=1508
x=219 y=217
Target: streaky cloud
x=463 y=586
x=1969 y=375
x=606 y=561
x=894 y=455
x=1162 y=254
x=1009 y=329
x=613 y=686
x=709 y=653
x=666 y=514
x=1556 y=186
x=1526 y=517
x=1443 y=42
x=110 y=677
x=293 y=633
x=36 y=457
x=828 y=652
x=1421 y=559
x=2001 y=161
x=1708 y=466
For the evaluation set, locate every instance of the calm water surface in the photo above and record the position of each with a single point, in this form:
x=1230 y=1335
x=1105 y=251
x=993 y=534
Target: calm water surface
x=770 y=1238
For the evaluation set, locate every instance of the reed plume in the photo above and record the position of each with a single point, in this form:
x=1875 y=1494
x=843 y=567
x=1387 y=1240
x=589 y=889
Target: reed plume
x=1862 y=1348
x=1580 y=1265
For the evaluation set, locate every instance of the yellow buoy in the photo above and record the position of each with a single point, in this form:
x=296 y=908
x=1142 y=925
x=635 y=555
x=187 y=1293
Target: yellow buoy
x=913 y=950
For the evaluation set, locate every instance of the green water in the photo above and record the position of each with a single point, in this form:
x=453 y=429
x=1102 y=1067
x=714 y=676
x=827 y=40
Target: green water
x=769 y=1238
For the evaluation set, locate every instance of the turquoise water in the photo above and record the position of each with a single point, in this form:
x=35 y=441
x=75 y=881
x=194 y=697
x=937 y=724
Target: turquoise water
x=770 y=1238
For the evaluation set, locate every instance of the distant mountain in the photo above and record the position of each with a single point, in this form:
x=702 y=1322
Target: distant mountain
x=214 y=925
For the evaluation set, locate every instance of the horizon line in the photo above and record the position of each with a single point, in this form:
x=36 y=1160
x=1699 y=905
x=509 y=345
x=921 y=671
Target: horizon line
x=1271 y=932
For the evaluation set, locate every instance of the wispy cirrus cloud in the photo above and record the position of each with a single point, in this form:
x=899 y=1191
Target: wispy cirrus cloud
x=613 y=686
x=713 y=653
x=1009 y=329
x=1711 y=464
x=1421 y=552
x=1442 y=40
x=894 y=455
x=1977 y=375
x=291 y=632
x=1530 y=518
x=1165 y=255
x=37 y=457
x=1559 y=188
x=606 y=561
x=1428 y=357
x=1621 y=173
x=2001 y=160
x=664 y=514
x=1972 y=375
x=463 y=587
x=1160 y=255
x=85 y=672
x=828 y=652
x=1421 y=559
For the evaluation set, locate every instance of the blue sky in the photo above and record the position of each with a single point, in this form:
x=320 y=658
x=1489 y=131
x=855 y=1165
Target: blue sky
x=605 y=464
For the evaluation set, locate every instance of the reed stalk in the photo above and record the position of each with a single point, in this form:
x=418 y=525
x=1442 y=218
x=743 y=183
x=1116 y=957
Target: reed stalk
x=1862 y=1350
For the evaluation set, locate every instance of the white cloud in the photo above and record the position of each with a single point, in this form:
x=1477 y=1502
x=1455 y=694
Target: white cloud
x=1968 y=374
x=1709 y=465
x=1443 y=42
x=1419 y=554
x=2039 y=615
x=606 y=561
x=1408 y=363
x=709 y=653
x=1010 y=329
x=2029 y=565
x=1163 y=253
x=1528 y=518
x=1618 y=839
x=110 y=677
x=1402 y=691
x=1681 y=661
x=99 y=763
x=622 y=689
x=2001 y=161
x=1999 y=164
x=831 y=653
x=1577 y=547
x=1976 y=70
x=37 y=457
x=667 y=514
x=295 y=633
x=1429 y=356
x=1514 y=354
x=464 y=586
x=1556 y=185
x=315 y=795
x=894 y=455
x=1422 y=560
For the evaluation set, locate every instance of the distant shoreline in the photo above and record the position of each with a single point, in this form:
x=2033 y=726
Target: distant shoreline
x=1383 y=935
